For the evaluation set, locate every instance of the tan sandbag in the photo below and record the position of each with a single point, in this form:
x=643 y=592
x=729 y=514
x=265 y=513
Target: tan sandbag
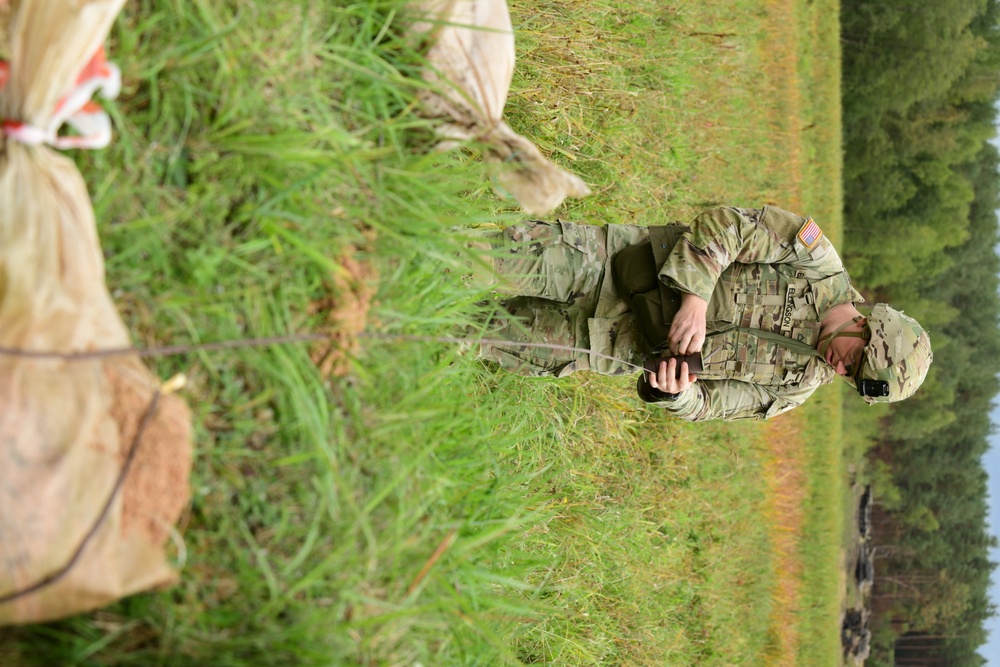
x=470 y=66
x=66 y=426
x=4 y=28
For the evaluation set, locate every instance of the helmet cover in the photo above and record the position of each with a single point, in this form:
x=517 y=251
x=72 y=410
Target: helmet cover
x=899 y=353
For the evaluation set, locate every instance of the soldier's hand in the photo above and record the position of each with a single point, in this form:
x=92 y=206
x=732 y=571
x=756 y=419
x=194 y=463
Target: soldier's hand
x=687 y=331
x=668 y=380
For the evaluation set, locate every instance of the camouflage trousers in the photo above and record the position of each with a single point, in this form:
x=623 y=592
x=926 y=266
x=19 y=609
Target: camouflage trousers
x=557 y=279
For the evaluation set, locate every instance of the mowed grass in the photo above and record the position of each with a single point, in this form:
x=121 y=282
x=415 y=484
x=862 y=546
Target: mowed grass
x=747 y=111
x=424 y=508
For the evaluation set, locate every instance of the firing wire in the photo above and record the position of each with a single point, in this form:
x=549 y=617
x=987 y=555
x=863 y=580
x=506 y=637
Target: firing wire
x=173 y=350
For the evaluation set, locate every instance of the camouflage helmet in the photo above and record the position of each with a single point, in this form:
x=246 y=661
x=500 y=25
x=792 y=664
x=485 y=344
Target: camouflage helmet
x=899 y=352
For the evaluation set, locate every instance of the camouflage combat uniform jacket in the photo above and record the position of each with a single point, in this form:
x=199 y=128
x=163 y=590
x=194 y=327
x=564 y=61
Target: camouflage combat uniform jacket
x=767 y=270
x=751 y=265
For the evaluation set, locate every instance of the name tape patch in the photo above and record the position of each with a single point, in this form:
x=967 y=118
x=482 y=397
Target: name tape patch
x=786 y=315
x=810 y=234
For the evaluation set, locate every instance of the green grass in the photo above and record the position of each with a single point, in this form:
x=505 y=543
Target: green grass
x=257 y=145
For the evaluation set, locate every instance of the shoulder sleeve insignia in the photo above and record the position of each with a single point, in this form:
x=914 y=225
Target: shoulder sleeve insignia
x=810 y=234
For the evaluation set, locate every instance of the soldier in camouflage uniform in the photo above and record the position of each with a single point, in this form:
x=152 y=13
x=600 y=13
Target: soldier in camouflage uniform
x=759 y=294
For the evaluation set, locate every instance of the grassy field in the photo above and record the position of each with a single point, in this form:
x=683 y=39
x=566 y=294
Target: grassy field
x=269 y=175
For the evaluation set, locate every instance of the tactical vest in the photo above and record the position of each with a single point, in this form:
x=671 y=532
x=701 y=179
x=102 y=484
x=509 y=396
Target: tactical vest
x=774 y=298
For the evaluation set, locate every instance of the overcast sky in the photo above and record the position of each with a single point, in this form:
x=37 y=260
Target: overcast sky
x=991 y=461
x=991 y=651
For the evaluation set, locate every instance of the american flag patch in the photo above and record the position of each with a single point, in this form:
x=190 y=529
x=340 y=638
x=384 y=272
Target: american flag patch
x=810 y=234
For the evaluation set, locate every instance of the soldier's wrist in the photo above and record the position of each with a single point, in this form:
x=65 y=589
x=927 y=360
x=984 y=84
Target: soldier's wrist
x=650 y=395
x=664 y=395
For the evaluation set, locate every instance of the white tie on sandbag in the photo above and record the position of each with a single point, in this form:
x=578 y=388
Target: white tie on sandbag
x=470 y=65
x=92 y=124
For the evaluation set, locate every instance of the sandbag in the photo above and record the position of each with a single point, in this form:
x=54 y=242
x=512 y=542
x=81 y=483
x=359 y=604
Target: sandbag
x=470 y=64
x=77 y=529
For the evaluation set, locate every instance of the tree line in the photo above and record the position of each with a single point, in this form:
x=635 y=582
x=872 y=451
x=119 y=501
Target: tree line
x=921 y=189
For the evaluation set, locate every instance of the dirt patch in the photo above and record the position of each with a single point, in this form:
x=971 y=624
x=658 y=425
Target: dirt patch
x=785 y=477
x=346 y=309
x=782 y=73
